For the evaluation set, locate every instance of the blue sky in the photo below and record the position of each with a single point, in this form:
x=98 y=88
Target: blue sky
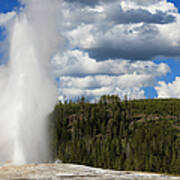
x=173 y=63
x=96 y=49
x=8 y=5
x=176 y=3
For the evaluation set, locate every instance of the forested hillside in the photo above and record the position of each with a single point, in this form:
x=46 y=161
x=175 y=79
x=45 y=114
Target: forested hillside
x=140 y=135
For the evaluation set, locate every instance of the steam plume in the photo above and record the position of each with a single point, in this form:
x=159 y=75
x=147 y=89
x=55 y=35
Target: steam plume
x=28 y=93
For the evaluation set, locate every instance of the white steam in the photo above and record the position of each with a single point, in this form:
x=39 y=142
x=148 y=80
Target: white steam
x=28 y=93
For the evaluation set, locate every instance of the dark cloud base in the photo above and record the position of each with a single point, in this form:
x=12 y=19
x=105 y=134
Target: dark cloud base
x=84 y=2
x=139 y=15
x=134 y=53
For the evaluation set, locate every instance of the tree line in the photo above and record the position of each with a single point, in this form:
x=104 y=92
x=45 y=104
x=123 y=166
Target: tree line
x=139 y=135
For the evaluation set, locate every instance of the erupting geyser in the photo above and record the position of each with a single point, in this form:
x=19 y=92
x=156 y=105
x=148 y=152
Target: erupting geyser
x=28 y=94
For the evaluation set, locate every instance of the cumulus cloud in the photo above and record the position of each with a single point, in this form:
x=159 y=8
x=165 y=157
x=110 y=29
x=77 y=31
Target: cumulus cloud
x=5 y=17
x=95 y=82
x=94 y=95
x=97 y=2
x=145 y=3
x=78 y=64
x=110 y=46
x=169 y=90
x=85 y=2
x=123 y=29
x=81 y=75
x=119 y=16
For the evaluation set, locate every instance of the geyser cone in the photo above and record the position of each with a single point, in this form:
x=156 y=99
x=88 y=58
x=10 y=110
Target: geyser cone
x=29 y=97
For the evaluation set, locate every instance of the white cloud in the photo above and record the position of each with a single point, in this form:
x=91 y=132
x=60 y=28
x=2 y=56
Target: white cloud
x=95 y=82
x=123 y=29
x=93 y=95
x=110 y=46
x=77 y=64
x=81 y=75
x=170 y=90
x=5 y=17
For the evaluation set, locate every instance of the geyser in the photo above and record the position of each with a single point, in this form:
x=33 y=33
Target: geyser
x=28 y=93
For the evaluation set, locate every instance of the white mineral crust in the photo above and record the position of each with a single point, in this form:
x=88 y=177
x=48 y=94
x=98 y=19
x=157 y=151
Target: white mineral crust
x=72 y=172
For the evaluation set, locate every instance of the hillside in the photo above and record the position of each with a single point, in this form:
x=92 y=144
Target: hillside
x=138 y=135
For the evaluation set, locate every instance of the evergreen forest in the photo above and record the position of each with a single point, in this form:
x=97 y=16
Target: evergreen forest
x=136 y=135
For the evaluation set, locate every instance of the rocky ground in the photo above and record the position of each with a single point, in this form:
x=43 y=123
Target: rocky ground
x=71 y=172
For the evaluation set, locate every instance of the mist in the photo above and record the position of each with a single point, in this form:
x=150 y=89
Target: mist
x=28 y=92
